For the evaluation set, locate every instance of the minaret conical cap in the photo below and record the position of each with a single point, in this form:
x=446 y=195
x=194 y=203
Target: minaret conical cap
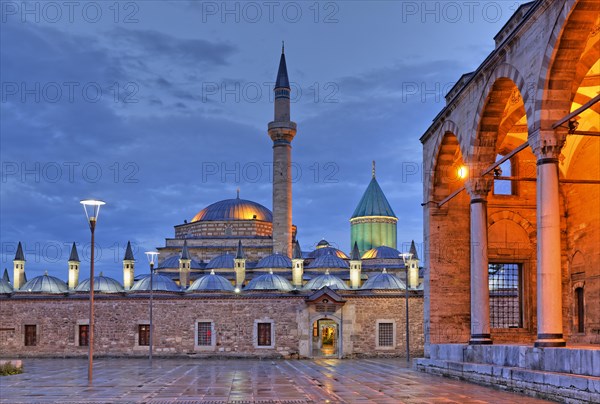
x=19 y=256
x=282 y=74
x=74 y=256
x=128 y=253
x=185 y=254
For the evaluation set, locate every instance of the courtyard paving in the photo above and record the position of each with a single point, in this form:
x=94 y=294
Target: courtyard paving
x=239 y=381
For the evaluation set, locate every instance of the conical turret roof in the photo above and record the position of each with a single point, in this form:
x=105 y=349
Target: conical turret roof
x=297 y=253
x=355 y=256
x=373 y=202
x=128 y=253
x=240 y=251
x=282 y=74
x=5 y=276
x=19 y=256
x=185 y=254
x=74 y=256
x=413 y=250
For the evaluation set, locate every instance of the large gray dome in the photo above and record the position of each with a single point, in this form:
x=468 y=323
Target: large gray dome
x=328 y=261
x=159 y=283
x=102 y=284
x=211 y=283
x=223 y=261
x=269 y=281
x=5 y=287
x=45 y=284
x=274 y=261
x=331 y=281
x=384 y=281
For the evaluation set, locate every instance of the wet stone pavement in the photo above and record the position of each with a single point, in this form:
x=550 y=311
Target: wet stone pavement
x=239 y=381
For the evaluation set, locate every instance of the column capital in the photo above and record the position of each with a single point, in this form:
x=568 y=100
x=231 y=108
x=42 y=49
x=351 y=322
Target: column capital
x=547 y=144
x=478 y=188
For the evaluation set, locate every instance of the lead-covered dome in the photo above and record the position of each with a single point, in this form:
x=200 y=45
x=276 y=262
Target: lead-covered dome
x=102 y=284
x=5 y=287
x=223 y=261
x=382 y=281
x=211 y=283
x=269 y=281
x=274 y=261
x=45 y=284
x=234 y=209
x=328 y=261
x=159 y=283
x=382 y=252
x=331 y=281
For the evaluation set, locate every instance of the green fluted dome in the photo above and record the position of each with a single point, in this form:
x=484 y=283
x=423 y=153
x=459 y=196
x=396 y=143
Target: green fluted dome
x=373 y=202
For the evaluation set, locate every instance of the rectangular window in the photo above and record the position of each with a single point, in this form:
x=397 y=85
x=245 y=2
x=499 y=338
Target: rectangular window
x=30 y=335
x=204 y=334
x=386 y=335
x=144 y=335
x=580 y=310
x=264 y=334
x=506 y=296
x=505 y=170
x=84 y=335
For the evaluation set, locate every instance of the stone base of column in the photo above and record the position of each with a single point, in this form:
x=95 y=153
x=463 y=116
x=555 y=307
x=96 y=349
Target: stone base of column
x=481 y=339
x=550 y=341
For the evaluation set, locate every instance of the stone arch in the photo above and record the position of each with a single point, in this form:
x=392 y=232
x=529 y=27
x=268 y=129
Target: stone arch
x=445 y=178
x=503 y=103
x=449 y=128
x=559 y=73
x=525 y=224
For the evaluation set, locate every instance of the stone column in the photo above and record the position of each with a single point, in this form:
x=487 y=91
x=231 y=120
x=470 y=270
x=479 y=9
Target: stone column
x=478 y=189
x=547 y=146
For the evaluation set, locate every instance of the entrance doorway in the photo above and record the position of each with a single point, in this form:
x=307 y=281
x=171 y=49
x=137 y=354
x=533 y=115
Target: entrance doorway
x=325 y=338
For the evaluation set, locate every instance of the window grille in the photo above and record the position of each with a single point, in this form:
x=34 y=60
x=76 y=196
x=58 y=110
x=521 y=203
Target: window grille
x=264 y=334
x=144 y=335
x=205 y=334
x=84 y=338
x=30 y=335
x=386 y=334
x=505 y=295
x=580 y=310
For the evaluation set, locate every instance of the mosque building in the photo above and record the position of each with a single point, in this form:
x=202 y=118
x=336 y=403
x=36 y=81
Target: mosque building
x=234 y=281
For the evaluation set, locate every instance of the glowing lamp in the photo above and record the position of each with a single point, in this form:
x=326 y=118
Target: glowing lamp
x=152 y=257
x=463 y=172
x=91 y=208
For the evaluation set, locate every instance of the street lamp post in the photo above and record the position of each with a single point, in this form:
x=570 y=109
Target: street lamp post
x=151 y=255
x=91 y=208
x=406 y=257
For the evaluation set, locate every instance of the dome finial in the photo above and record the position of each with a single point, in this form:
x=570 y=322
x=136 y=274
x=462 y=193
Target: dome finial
x=238 y=193
x=373 y=169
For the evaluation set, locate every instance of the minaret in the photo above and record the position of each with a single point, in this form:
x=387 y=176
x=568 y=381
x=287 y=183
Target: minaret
x=413 y=267
x=297 y=266
x=355 y=267
x=185 y=263
x=128 y=267
x=282 y=130
x=19 y=268
x=239 y=263
x=73 y=268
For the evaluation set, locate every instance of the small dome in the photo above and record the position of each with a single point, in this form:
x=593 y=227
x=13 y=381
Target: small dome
x=383 y=281
x=327 y=250
x=159 y=282
x=274 y=261
x=45 y=284
x=382 y=252
x=329 y=261
x=5 y=287
x=269 y=281
x=102 y=284
x=173 y=262
x=221 y=261
x=331 y=281
x=323 y=243
x=211 y=283
x=234 y=209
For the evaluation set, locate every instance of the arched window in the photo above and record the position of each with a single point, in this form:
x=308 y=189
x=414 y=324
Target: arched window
x=501 y=186
x=579 y=311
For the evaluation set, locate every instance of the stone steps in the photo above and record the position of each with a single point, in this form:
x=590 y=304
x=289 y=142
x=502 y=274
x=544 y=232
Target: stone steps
x=555 y=386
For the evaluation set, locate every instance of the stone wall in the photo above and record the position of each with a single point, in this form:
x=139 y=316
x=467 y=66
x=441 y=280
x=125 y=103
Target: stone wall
x=175 y=317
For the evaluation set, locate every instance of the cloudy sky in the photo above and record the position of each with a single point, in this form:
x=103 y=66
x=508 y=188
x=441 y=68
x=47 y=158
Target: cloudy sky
x=161 y=108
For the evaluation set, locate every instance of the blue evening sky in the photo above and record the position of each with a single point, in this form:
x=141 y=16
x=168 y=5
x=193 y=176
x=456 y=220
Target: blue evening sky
x=161 y=108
